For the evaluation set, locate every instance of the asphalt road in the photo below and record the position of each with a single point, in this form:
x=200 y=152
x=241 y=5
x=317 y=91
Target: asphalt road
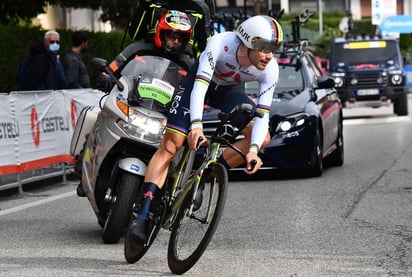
x=355 y=220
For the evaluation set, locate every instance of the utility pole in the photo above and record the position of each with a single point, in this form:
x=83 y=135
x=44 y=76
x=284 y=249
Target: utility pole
x=320 y=9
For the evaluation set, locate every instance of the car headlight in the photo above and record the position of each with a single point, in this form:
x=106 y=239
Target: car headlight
x=338 y=78
x=396 y=79
x=144 y=127
x=292 y=123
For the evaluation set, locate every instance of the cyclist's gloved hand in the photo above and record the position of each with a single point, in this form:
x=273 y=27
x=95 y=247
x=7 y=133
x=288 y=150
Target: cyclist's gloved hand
x=104 y=83
x=193 y=138
x=253 y=162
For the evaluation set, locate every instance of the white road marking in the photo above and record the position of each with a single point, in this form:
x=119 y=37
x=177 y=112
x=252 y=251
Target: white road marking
x=376 y=120
x=37 y=203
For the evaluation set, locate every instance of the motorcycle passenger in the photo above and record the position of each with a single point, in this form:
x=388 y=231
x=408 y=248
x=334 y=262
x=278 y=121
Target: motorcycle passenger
x=229 y=60
x=173 y=32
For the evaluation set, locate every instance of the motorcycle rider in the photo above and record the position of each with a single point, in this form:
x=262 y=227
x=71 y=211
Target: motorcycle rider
x=143 y=22
x=171 y=41
x=173 y=32
x=230 y=59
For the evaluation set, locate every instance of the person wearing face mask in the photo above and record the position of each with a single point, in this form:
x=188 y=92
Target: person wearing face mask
x=74 y=67
x=46 y=72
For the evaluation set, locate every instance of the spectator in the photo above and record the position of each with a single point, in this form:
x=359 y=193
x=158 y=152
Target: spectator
x=74 y=67
x=45 y=70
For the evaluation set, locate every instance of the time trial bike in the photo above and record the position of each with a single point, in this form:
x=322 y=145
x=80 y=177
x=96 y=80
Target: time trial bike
x=191 y=202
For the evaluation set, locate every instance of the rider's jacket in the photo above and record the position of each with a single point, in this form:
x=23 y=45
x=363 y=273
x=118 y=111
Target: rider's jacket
x=218 y=63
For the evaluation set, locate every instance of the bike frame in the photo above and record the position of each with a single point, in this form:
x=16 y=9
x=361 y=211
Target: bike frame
x=182 y=184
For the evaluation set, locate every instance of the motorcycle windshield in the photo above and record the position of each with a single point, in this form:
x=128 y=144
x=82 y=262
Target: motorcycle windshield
x=154 y=80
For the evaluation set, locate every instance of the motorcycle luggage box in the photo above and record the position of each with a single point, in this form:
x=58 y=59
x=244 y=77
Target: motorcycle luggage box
x=84 y=125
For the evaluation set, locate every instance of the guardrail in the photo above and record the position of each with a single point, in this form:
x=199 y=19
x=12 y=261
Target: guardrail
x=18 y=180
x=35 y=133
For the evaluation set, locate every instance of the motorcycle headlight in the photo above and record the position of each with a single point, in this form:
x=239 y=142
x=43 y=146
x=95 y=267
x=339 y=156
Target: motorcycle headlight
x=144 y=126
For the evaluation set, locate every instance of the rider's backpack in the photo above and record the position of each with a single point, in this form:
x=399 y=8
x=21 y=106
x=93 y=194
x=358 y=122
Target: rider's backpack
x=24 y=73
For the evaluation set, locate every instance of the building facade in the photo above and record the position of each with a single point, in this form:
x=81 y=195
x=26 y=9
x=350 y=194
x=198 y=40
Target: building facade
x=77 y=19
x=358 y=8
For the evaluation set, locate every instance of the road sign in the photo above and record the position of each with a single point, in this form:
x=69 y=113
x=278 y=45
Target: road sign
x=381 y=9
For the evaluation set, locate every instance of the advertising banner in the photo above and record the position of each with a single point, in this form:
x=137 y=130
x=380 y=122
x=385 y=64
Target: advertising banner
x=36 y=127
x=9 y=133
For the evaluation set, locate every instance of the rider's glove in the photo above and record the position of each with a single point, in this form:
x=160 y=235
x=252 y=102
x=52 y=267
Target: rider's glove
x=104 y=83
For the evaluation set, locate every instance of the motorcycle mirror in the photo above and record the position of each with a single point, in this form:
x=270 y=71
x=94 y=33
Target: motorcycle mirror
x=102 y=66
x=99 y=64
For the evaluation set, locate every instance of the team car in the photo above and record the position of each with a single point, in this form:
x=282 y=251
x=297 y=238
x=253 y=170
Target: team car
x=306 y=119
x=368 y=72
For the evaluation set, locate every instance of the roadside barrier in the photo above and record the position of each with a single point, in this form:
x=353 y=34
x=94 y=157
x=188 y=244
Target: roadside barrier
x=35 y=133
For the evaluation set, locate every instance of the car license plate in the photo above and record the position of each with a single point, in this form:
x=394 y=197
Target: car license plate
x=361 y=92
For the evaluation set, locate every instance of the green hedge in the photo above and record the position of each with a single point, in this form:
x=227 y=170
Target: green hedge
x=16 y=43
x=331 y=22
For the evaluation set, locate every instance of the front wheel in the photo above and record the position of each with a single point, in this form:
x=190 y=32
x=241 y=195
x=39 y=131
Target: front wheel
x=119 y=212
x=191 y=235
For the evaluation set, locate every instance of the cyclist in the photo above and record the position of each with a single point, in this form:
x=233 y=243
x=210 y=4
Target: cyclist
x=230 y=59
x=173 y=32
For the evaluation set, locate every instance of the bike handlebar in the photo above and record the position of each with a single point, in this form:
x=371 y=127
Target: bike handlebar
x=226 y=132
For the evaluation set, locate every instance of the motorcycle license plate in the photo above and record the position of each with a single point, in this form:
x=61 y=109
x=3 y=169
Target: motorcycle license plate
x=362 y=92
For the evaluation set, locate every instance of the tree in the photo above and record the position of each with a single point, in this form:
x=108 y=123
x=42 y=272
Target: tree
x=12 y=11
x=118 y=12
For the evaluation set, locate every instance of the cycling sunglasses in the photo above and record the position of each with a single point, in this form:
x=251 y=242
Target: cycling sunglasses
x=263 y=45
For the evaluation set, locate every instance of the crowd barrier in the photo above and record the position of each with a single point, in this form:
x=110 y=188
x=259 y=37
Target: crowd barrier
x=35 y=133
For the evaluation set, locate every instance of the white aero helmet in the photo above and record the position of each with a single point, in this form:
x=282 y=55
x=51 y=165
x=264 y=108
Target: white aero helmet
x=260 y=32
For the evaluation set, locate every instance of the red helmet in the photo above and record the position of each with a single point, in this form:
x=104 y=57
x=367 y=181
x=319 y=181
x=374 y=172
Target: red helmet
x=176 y=25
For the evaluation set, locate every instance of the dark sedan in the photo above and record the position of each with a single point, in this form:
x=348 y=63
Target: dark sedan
x=305 y=119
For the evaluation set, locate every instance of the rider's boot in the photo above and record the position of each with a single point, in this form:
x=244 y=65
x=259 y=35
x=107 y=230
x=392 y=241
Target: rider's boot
x=80 y=191
x=139 y=226
x=138 y=229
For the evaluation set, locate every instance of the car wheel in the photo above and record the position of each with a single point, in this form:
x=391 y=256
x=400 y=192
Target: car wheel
x=317 y=169
x=400 y=106
x=336 y=158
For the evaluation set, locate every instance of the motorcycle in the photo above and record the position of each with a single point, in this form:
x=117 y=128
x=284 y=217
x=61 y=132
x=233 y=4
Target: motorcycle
x=117 y=142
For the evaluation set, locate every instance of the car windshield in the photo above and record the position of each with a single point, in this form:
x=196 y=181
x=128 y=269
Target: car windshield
x=359 y=52
x=290 y=83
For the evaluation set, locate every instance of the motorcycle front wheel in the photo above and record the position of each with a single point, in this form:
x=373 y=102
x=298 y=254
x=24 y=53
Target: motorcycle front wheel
x=119 y=212
x=191 y=235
